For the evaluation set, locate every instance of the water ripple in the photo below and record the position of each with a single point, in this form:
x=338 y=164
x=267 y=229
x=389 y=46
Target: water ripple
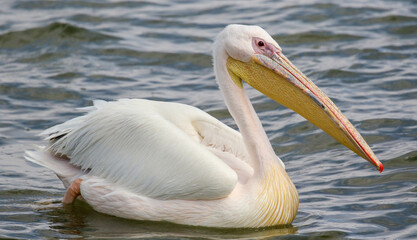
x=53 y=34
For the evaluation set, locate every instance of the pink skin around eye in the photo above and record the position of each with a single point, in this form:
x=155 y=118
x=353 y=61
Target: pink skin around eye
x=267 y=49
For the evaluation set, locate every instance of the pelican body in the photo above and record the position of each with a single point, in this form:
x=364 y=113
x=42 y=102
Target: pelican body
x=160 y=161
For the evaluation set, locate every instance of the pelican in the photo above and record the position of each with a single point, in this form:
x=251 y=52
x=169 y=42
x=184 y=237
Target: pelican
x=163 y=161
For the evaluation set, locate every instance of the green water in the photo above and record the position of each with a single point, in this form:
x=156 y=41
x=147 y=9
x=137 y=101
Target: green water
x=56 y=56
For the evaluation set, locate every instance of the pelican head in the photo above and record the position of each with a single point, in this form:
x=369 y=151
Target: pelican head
x=253 y=56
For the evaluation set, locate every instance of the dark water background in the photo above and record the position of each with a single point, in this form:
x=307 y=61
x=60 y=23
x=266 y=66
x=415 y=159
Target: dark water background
x=56 y=56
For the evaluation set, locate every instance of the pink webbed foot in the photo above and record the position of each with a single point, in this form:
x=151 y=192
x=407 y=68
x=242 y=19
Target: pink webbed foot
x=73 y=191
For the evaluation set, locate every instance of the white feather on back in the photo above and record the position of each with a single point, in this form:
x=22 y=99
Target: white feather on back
x=155 y=149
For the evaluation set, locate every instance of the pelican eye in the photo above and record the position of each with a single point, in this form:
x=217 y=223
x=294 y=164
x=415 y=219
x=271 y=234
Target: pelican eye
x=261 y=44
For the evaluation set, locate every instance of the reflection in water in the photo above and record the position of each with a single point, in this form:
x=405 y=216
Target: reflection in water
x=80 y=220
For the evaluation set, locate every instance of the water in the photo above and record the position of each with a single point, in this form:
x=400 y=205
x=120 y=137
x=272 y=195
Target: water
x=56 y=56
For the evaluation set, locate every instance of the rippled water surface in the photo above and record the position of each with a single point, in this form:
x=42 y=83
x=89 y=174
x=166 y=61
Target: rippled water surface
x=56 y=56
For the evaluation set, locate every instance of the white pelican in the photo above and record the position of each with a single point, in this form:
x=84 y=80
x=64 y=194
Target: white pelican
x=159 y=161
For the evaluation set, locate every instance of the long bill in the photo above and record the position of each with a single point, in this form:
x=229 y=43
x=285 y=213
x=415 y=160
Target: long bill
x=280 y=80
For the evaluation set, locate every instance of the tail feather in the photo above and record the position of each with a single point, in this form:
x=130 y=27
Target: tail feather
x=60 y=165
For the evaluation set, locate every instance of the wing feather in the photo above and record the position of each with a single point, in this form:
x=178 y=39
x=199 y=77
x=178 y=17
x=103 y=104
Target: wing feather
x=149 y=147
